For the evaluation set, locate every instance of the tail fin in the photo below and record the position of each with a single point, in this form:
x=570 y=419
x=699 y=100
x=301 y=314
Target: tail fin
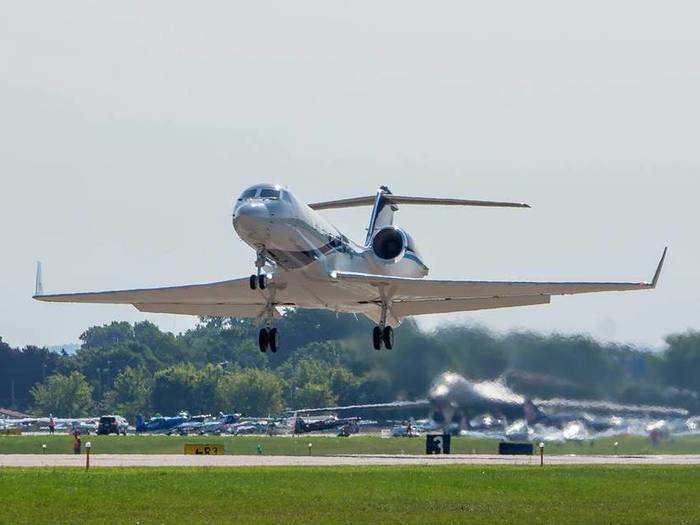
x=531 y=413
x=140 y=426
x=382 y=213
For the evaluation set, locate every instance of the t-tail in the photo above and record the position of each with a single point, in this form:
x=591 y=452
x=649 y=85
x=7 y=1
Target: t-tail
x=382 y=213
x=385 y=204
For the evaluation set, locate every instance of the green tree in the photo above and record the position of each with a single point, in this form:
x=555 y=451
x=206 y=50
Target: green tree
x=186 y=387
x=251 y=392
x=106 y=335
x=63 y=396
x=132 y=392
x=681 y=361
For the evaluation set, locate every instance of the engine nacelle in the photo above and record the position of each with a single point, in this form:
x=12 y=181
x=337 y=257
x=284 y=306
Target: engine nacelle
x=390 y=243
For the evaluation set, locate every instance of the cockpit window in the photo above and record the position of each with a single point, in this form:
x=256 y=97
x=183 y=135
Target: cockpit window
x=269 y=194
x=248 y=194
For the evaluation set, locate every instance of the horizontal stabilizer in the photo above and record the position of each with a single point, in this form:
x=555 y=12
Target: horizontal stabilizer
x=402 y=199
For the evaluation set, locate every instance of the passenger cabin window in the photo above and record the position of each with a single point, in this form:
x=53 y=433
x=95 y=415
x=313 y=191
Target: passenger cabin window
x=269 y=194
x=248 y=194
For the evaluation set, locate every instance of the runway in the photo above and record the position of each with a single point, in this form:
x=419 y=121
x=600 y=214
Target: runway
x=176 y=460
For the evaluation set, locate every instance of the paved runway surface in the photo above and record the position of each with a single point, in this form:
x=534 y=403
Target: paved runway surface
x=174 y=460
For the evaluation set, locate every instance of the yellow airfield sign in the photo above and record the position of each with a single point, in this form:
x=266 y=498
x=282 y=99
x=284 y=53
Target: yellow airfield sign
x=204 y=450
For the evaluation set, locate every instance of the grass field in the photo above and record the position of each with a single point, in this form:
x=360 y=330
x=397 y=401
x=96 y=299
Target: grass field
x=353 y=494
x=281 y=445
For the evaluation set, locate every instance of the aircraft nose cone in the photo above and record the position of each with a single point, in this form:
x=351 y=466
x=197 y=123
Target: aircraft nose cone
x=250 y=218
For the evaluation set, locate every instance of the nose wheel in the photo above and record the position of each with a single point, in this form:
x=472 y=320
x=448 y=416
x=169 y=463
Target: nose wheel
x=258 y=282
x=259 y=279
x=268 y=338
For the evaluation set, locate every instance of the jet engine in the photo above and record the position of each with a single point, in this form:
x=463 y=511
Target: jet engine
x=389 y=244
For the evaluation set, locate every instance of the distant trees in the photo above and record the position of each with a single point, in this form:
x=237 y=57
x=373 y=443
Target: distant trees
x=251 y=392
x=63 y=396
x=681 y=362
x=186 y=387
x=133 y=389
x=326 y=359
x=22 y=368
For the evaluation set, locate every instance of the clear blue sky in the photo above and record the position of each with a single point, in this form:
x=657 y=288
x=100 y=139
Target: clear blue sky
x=127 y=131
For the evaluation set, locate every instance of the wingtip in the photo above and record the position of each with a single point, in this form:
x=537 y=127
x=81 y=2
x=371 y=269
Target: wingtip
x=659 y=268
x=38 y=284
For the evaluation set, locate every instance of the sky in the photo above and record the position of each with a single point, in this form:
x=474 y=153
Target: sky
x=128 y=129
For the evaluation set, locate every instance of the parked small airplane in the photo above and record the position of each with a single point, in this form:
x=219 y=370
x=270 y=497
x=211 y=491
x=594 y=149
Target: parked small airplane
x=222 y=425
x=304 y=262
x=303 y=426
x=160 y=424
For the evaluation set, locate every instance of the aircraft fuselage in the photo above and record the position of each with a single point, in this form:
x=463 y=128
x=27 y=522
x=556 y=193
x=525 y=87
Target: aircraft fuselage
x=294 y=237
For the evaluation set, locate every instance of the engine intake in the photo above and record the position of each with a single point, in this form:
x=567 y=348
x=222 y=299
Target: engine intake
x=389 y=244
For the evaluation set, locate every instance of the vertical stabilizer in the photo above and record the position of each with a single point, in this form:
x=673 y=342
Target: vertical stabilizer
x=382 y=214
x=39 y=285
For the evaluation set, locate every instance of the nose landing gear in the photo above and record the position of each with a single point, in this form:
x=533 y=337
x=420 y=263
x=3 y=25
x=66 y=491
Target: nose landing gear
x=259 y=279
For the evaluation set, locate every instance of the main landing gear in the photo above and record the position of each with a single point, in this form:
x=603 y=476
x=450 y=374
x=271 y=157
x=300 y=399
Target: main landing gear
x=383 y=336
x=268 y=338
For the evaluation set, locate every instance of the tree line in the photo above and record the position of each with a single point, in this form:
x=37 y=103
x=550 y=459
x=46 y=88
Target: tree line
x=326 y=359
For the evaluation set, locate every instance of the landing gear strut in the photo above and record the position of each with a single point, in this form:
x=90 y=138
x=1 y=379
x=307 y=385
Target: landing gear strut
x=259 y=279
x=268 y=337
x=383 y=334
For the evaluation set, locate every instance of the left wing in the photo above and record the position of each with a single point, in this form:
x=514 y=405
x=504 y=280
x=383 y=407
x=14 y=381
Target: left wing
x=410 y=296
x=226 y=298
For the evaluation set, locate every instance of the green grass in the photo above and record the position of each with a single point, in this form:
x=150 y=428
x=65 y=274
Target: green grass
x=280 y=445
x=437 y=494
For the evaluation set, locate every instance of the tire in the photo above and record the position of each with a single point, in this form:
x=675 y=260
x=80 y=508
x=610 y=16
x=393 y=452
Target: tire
x=263 y=340
x=262 y=281
x=274 y=340
x=377 y=338
x=253 y=282
x=388 y=337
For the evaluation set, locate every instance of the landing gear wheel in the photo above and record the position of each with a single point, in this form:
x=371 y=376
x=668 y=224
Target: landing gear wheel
x=377 y=338
x=388 y=337
x=253 y=282
x=263 y=339
x=273 y=340
x=262 y=281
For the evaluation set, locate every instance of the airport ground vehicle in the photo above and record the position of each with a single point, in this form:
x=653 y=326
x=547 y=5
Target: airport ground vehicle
x=112 y=425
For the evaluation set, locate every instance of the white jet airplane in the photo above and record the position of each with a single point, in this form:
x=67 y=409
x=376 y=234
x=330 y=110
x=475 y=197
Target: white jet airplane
x=305 y=262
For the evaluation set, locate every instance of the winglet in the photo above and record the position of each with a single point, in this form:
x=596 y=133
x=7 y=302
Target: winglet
x=39 y=289
x=657 y=274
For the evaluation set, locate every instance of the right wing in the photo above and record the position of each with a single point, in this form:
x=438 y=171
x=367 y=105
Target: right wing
x=411 y=296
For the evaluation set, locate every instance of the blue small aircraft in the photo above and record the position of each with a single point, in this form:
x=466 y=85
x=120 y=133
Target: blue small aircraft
x=160 y=424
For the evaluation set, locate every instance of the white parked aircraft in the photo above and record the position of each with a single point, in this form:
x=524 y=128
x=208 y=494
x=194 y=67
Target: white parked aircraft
x=305 y=262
